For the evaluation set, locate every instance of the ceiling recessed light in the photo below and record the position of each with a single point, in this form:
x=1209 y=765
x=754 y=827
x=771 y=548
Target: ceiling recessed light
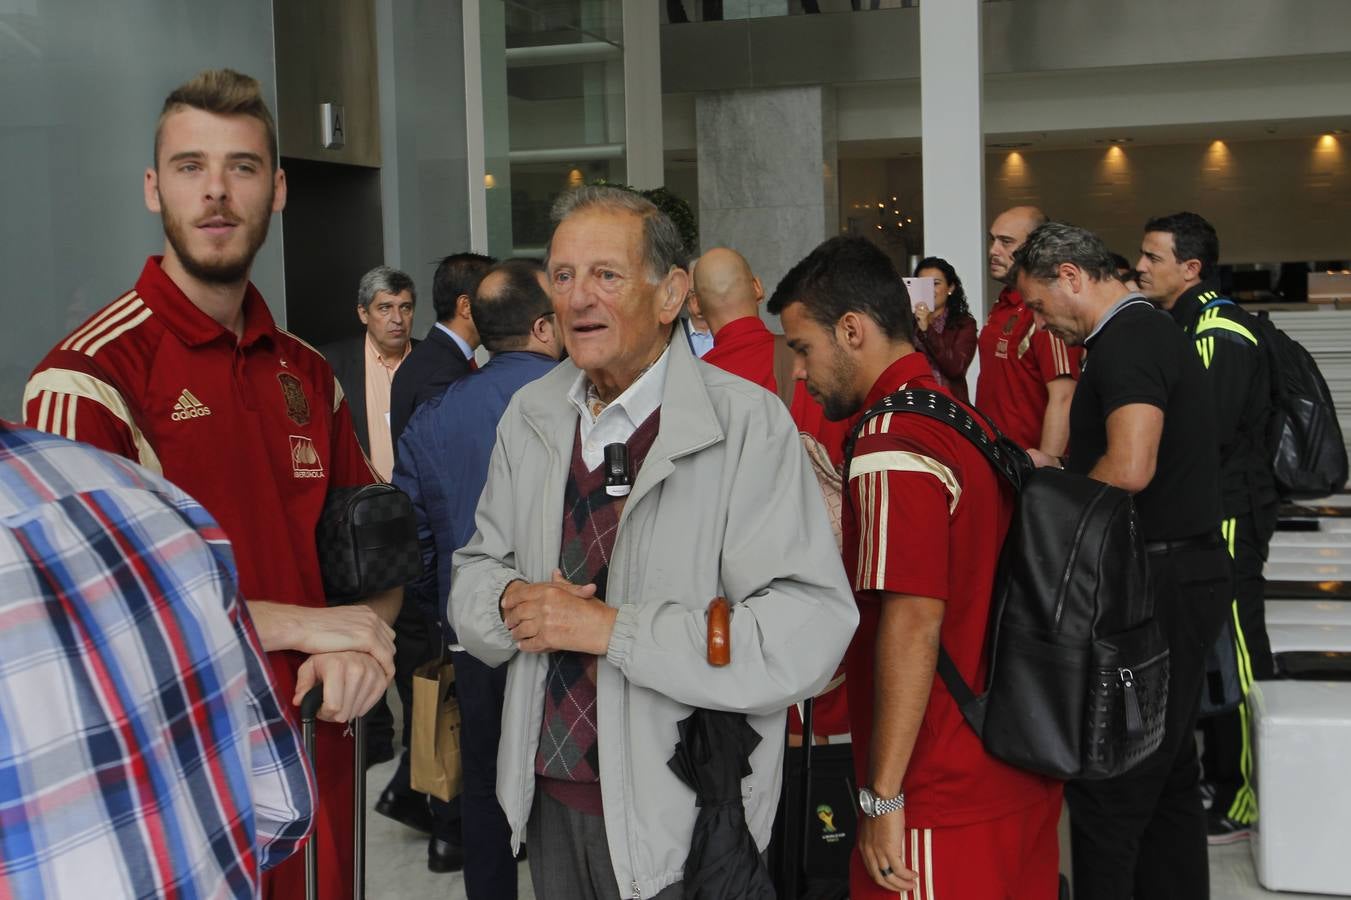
x=1114 y=140
x=1009 y=145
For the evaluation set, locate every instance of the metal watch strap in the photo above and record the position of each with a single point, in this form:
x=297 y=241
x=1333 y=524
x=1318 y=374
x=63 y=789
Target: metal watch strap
x=881 y=807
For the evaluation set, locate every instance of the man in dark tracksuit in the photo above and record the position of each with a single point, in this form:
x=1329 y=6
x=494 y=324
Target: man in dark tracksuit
x=1177 y=266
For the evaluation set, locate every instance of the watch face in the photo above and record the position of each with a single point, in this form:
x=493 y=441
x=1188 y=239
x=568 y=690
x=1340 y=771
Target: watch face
x=867 y=801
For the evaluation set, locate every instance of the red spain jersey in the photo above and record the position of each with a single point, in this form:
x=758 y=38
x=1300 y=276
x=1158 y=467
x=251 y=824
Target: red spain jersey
x=1017 y=361
x=254 y=429
x=926 y=517
x=745 y=347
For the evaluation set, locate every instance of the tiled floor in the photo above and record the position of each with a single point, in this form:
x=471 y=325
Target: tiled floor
x=396 y=857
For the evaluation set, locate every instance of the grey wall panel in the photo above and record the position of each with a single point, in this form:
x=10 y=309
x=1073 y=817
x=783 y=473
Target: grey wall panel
x=81 y=85
x=326 y=53
x=423 y=178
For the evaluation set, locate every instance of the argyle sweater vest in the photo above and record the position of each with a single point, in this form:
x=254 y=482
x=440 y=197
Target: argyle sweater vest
x=568 y=760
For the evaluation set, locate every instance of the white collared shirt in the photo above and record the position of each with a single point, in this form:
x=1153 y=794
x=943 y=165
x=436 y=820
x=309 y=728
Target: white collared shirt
x=460 y=342
x=620 y=419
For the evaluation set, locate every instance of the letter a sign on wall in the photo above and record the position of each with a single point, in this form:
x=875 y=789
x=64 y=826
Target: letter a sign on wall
x=332 y=126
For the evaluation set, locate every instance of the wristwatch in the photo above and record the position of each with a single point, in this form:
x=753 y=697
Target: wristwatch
x=874 y=806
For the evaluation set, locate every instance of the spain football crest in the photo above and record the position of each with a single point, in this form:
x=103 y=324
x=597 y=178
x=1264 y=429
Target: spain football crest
x=297 y=407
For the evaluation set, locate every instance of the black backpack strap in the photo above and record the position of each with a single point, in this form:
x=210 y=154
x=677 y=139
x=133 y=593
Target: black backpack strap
x=972 y=707
x=945 y=409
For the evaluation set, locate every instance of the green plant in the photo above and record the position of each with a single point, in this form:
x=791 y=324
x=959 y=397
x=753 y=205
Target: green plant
x=682 y=216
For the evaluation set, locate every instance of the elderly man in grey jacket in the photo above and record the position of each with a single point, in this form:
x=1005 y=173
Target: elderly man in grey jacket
x=597 y=598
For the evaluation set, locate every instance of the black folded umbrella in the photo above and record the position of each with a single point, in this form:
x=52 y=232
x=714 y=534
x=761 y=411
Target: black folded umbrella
x=712 y=757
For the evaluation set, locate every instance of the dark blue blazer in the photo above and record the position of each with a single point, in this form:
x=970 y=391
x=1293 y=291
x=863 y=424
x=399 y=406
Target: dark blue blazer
x=442 y=464
x=434 y=363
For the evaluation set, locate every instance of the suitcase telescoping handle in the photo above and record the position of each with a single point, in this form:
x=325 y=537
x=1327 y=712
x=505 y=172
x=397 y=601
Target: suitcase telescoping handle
x=309 y=712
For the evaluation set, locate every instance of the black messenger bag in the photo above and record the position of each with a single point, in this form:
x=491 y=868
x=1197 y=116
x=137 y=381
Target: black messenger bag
x=1078 y=667
x=367 y=542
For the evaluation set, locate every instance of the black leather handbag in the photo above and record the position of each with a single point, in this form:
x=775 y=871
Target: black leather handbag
x=367 y=541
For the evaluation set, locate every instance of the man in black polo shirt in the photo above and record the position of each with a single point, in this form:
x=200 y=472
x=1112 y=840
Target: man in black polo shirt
x=1141 y=420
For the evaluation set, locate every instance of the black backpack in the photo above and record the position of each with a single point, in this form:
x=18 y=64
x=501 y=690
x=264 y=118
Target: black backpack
x=1078 y=668
x=1308 y=457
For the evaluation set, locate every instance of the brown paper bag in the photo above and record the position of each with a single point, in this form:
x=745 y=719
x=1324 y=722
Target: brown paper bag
x=435 y=753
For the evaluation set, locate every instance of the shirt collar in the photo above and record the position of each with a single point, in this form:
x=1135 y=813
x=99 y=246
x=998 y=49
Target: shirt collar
x=736 y=328
x=192 y=326
x=1132 y=297
x=912 y=367
x=460 y=342
x=939 y=321
x=374 y=353
x=1188 y=306
x=638 y=401
x=1009 y=297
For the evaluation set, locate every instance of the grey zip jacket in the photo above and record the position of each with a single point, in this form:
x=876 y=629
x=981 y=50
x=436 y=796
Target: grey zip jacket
x=725 y=504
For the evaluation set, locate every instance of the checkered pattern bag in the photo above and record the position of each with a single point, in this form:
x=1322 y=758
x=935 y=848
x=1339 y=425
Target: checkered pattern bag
x=367 y=540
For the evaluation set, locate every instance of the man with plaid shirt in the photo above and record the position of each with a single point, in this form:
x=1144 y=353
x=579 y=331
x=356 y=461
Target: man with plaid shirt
x=142 y=750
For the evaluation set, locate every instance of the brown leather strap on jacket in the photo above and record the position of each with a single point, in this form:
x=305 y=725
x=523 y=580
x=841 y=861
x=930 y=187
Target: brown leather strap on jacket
x=719 y=632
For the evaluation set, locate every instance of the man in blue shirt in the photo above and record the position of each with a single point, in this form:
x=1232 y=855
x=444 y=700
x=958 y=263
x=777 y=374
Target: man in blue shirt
x=442 y=464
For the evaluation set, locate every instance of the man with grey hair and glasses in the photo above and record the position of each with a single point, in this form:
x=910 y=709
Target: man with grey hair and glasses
x=1141 y=419
x=628 y=488
x=365 y=365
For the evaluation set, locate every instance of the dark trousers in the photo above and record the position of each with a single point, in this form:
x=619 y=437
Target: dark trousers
x=1229 y=755
x=570 y=855
x=489 y=865
x=414 y=644
x=416 y=641
x=1143 y=834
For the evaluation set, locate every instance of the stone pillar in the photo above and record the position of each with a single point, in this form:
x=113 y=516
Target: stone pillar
x=767 y=184
x=953 y=146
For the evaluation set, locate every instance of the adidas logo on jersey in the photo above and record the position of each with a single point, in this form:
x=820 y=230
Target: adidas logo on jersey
x=189 y=407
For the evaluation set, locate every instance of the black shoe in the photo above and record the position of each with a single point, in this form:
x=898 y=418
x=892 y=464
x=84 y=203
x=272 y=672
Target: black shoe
x=408 y=809
x=1224 y=830
x=443 y=856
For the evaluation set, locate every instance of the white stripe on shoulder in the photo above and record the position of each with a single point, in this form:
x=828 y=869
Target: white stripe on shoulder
x=117 y=332
x=109 y=323
x=65 y=383
x=907 y=461
x=101 y=318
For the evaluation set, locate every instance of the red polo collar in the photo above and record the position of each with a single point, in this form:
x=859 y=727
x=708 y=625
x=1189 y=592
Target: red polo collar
x=192 y=326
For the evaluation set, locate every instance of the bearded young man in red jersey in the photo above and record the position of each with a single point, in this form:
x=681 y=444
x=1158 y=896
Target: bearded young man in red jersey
x=188 y=375
x=924 y=518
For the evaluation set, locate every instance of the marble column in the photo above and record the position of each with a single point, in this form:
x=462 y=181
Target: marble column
x=767 y=185
x=953 y=146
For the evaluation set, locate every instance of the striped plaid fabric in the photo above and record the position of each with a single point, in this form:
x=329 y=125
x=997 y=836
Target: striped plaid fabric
x=142 y=750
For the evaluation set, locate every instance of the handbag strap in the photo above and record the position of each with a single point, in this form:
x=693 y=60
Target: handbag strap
x=944 y=409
